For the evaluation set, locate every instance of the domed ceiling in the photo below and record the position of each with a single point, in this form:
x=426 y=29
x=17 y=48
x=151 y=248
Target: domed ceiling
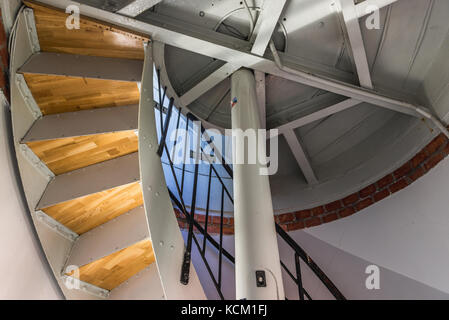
x=340 y=152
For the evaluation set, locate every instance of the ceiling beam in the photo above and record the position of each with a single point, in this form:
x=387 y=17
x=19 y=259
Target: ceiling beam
x=351 y=22
x=300 y=156
x=227 y=69
x=265 y=25
x=137 y=7
x=366 y=6
x=208 y=83
x=318 y=115
x=189 y=38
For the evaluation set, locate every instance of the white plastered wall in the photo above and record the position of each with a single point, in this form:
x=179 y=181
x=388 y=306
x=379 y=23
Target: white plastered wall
x=24 y=271
x=406 y=233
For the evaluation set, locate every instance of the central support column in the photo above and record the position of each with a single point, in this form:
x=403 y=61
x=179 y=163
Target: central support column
x=257 y=264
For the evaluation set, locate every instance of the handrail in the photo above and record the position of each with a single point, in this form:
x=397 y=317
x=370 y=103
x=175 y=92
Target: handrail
x=299 y=253
x=310 y=263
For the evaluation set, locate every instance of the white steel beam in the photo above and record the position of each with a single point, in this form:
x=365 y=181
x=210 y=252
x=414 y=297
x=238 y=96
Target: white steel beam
x=220 y=47
x=137 y=7
x=354 y=32
x=211 y=81
x=83 y=123
x=168 y=243
x=32 y=31
x=114 y=235
x=92 y=179
x=300 y=156
x=85 y=286
x=367 y=6
x=27 y=96
x=61 y=64
x=34 y=160
x=315 y=116
x=265 y=25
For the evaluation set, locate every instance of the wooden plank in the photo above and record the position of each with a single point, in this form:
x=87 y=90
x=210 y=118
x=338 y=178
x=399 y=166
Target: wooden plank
x=59 y=94
x=68 y=154
x=94 y=38
x=110 y=271
x=83 y=214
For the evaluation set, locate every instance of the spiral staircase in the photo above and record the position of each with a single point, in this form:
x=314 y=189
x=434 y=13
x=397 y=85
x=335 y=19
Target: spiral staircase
x=92 y=108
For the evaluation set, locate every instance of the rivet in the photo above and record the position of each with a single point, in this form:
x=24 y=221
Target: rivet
x=161 y=243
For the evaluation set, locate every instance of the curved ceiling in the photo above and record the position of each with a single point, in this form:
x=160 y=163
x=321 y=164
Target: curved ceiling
x=346 y=150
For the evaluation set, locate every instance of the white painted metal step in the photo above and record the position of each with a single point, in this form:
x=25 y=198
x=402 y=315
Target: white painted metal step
x=61 y=64
x=92 y=179
x=117 y=234
x=83 y=123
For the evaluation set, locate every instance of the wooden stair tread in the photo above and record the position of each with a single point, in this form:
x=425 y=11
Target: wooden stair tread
x=110 y=271
x=86 y=213
x=59 y=94
x=68 y=154
x=93 y=38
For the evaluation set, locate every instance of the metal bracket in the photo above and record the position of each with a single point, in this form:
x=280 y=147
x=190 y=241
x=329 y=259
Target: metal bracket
x=32 y=31
x=86 y=287
x=56 y=226
x=261 y=279
x=36 y=162
x=28 y=96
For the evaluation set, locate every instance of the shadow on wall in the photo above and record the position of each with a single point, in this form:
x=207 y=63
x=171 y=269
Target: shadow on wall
x=346 y=271
x=20 y=246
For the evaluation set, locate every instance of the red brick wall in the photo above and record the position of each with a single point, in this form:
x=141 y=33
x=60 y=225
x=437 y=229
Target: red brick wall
x=4 y=59
x=412 y=170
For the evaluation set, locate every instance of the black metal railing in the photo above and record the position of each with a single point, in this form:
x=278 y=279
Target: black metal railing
x=299 y=253
x=193 y=224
